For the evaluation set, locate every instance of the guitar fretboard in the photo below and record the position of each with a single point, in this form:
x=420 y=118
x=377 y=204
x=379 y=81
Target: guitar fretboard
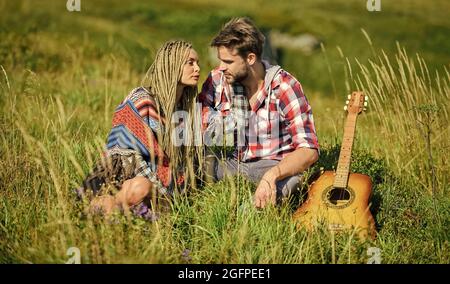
x=343 y=167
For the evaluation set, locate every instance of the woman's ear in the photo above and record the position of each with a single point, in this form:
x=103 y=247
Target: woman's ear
x=251 y=58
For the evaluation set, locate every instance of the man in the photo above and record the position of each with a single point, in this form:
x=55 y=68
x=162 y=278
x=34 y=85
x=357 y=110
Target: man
x=273 y=124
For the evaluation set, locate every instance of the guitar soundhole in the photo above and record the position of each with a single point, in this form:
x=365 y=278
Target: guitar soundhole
x=338 y=197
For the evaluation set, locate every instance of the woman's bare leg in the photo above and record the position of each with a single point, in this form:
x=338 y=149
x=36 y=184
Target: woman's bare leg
x=133 y=192
x=105 y=204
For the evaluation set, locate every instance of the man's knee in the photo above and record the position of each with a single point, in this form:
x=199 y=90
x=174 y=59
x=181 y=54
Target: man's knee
x=288 y=187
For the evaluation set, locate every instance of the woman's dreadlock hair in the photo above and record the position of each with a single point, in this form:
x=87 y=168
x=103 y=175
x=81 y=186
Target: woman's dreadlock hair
x=161 y=81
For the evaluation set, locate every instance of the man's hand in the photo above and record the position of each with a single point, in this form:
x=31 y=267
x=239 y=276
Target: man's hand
x=294 y=163
x=266 y=193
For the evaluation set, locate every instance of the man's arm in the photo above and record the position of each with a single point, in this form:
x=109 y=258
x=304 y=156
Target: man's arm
x=292 y=164
x=300 y=124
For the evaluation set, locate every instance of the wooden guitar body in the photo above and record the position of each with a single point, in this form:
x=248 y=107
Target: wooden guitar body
x=338 y=208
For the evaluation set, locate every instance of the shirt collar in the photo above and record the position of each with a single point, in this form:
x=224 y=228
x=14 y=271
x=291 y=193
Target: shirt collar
x=270 y=78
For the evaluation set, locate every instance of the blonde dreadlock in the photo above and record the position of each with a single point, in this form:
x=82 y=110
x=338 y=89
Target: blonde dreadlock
x=161 y=81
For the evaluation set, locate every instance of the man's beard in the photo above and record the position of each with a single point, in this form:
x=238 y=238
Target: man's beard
x=239 y=77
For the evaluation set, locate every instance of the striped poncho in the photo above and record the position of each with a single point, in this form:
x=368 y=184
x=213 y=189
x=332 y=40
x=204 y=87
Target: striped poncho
x=135 y=125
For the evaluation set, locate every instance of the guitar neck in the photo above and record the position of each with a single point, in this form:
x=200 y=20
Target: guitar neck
x=343 y=167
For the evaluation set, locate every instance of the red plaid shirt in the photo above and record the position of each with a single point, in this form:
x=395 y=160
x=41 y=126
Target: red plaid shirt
x=280 y=121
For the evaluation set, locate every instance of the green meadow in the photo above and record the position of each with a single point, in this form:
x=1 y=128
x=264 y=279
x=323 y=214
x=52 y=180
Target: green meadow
x=63 y=73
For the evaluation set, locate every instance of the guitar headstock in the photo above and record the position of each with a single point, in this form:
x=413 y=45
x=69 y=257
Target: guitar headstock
x=356 y=103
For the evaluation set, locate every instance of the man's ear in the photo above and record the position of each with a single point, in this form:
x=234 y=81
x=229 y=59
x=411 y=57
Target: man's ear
x=251 y=58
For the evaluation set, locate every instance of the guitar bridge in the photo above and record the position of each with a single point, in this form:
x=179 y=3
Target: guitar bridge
x=336 y=227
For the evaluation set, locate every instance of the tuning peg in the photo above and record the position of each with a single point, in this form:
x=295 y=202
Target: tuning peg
x=365 y=104
x=366 y=98
x=364 y=109
x=346 y=102
x=345 y=107
x=349 y=97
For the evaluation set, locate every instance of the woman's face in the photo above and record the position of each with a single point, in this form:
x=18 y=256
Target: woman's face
x=191 y=70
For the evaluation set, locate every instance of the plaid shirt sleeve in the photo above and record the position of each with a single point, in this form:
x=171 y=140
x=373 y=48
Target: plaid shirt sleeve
x=206 y=98
x=298 y=114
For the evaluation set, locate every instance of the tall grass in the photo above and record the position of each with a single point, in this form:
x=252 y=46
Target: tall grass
x=406 y=99
x=46 y=149
x=56 y=102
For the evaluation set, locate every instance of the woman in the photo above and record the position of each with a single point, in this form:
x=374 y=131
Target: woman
x=140 y=145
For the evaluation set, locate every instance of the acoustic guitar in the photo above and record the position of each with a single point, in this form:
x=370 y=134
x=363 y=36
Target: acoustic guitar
x=339 y=200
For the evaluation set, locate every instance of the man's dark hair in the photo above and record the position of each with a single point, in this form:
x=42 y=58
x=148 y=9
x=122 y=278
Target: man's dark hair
x=242 y=34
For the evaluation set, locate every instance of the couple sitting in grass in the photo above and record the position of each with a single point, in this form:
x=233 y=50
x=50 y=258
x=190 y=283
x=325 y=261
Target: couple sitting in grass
x=262 y=106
